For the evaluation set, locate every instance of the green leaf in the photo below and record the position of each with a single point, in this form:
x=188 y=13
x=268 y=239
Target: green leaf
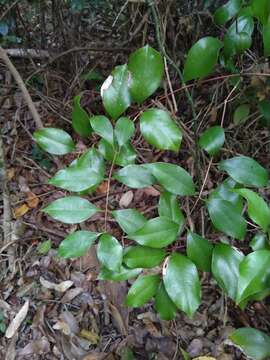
x=122 y=275
x=168 y=206
x=202 y=58
x=143 y=257
x=266 y=38
x=44 y=247
x=115 y=92
x=143 y=289
x=160 y=130
x=264 y=108
x=259 y=242
x=226 y=218
x=110 y=252
x=254 y=276
x=54 y=141
x=225 y=268
x=125 y=157
x=135 y=176
x=241 y=114
x=199 y=250
x=261 y=10
x=212 y=140
x=147 y=68
x=124 y=130
x=258 y=210
x=254 y=343
x=77 y=243
x=164 y=305
x=173 y=178
x=245 y=170
x=227 y=11
x=130 y=220
x=71 y=209
x=103 y=127
x=182 y=283
x=80 y=118
x=156 y=233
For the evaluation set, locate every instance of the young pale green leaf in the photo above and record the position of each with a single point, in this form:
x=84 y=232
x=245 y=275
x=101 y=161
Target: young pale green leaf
x=126 y=156
x=173 y=178
x=199 y=250
x=254 y=343
x=115 y=92
x=129 y=220
x=245 y=170
x=259 y=242
x=71 y=209
x=226 y=218
x=225 y=268
x=159 y=130
x=44 y=247
x=143 y=257
x=182 y=283
x=258 y=210
x=164 y=305
x=156 y=233
x=54 y=141
x=80 y=118
x=261 y=10
x=227 y=11
x=135 y=176
x=143 y=289
x=146 y=68
x=168 y=206
x=110 y=252
x=103 y=127
x=124 y=130
x=77 y=243
x=122 y=275
x=241 y=114
x=212 y=140
x=202 y=58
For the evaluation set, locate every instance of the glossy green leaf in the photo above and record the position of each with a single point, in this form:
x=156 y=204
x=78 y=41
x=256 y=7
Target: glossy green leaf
x=245 y=170
x=241 y=114
x=126 y=156
x=225 y=268
x=164 y=305
x=199 y=250
x=254 y=343
x=226 y=218
x=80 y=118
x=71 y=209
x=115 y=92
x=182 y=283
x=143 y=257
x=227 y=11
x=159 y=130
x=261 y=10
x=122 y=275
x=130 y=220
x=212 y=140
x=146 y=68
x=124 y=130
x=103 y=127
x=135 y=176
x=156 y=233
x=77 y=243
x=202 y=58
x=110 y=252
x=266 y=38
x=168 y=206
x=259 y=242
x=54 y=141
x=143 y=289
x=173 y=178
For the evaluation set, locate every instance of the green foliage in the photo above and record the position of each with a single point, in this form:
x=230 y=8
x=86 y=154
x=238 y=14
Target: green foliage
x=80 y=118
x=54 y=141
x=212 y=140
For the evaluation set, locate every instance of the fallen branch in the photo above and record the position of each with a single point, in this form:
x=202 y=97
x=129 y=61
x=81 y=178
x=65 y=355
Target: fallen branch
x=26 y=53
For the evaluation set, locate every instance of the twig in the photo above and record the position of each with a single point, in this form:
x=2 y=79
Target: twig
x=108 y=191
x=4 y=14
x=225 y=103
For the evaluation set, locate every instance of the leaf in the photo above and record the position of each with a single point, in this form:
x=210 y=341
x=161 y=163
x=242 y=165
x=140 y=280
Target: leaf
x=182 y=283
x=212 y=140
x=266 y=38
x=225 y=268
x=264 y=108
x=147 y=68
x=168 y=206
x=160 y=130
x=103 y=127
x=125 y=157
x=110 y=252
x=80 y=118
x=20 y=211
x=130 y=220
x=226 y=218
x=61 y=287
x=164 y=305
x=123 y=274
x=258 y=210
x=241 y=114
x=71 y=209
x=44 y=247
x=115 y=92
x=143 y=257
x=227 y=11
x=17 y=320
x=77 y=243
x=254 y=343
x=202 y=58
x=245 y=170
x=199 y=250
x=173 y=178
x=54 y=141
x=259 y=242
x=261 y=10
x=142 y=290
x=156 y=233
x=124 y=130
x=135 y=176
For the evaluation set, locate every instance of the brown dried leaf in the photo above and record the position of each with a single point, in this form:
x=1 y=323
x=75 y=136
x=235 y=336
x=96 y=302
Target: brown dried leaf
x=32 y=200
x=17 y=321
x=20 y=211
x=37 y=347
x=126 y=199
x=62 y=287
x=102 y=188
x=91 y=336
